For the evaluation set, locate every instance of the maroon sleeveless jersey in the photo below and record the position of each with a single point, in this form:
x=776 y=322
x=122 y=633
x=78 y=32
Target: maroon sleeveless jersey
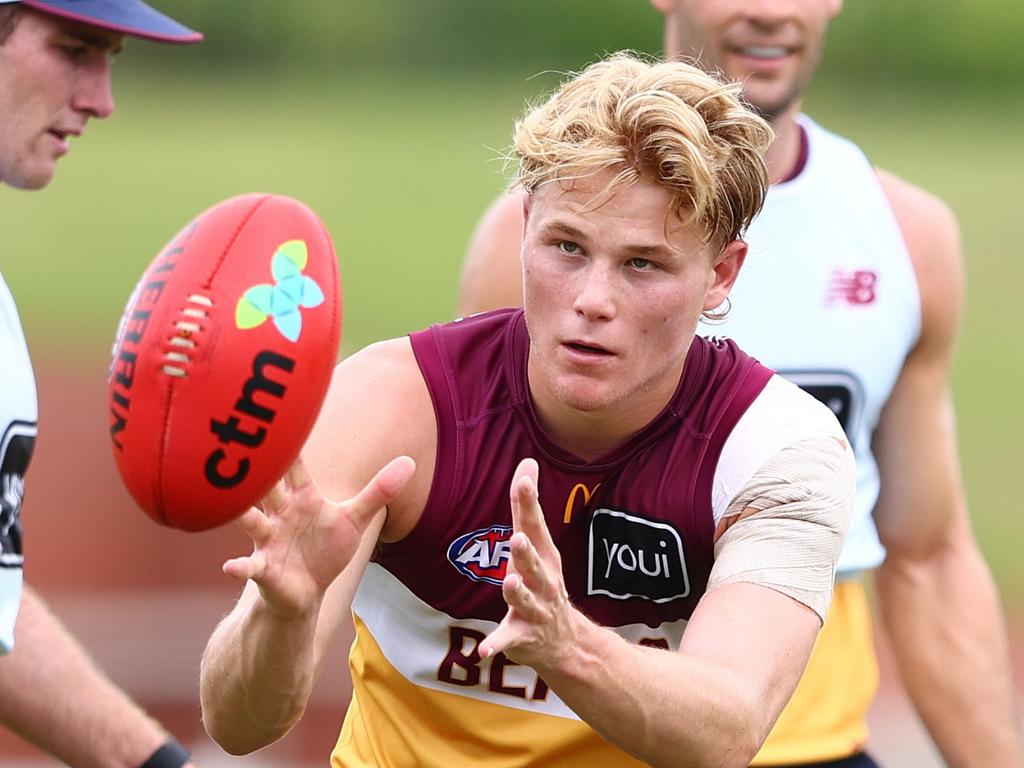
x=634 y=528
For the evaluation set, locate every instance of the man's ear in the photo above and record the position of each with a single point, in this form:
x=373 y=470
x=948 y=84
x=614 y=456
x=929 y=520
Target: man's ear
x=725 y=271
x=664 y=7
x=527 y=202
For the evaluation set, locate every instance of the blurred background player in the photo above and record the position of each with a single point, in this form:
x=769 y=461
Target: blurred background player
x=853 y=289
x=715 y=493
x=55 y=59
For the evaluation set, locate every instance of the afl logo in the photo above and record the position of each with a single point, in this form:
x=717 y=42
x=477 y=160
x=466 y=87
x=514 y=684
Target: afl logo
x=483 y=554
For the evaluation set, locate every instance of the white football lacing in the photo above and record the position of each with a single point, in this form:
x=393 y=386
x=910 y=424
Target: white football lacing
x=176 y=361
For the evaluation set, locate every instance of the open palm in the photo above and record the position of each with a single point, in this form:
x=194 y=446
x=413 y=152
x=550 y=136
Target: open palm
x=302 y=541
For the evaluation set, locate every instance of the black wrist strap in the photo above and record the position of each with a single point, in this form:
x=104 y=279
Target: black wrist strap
x=169 y=755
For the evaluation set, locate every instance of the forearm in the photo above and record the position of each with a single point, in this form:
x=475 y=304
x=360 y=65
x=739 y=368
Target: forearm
x=54 y=696
x=256 y=676
x=664 y=707
x=944 y=621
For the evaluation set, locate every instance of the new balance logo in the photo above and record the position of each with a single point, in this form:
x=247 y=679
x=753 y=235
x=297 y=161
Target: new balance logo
x=856 y=288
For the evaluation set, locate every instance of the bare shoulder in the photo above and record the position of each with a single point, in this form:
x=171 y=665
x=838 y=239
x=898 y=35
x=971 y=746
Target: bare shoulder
x=378 y=407
x=932 y=235
x=491 y=273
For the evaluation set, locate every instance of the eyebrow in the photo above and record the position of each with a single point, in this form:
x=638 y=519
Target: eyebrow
x=564 y=228
x=109 y=43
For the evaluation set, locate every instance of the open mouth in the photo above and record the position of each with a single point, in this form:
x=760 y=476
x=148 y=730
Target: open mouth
x=587 y=348
x=61 y=139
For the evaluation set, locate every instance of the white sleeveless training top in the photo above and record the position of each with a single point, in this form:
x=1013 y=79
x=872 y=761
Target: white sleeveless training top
x=18 y=409
x=828 y=297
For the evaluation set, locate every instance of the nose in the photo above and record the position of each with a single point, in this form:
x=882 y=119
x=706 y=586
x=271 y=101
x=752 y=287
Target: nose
x=94 y=93
x=768 y=13
x=595 y=296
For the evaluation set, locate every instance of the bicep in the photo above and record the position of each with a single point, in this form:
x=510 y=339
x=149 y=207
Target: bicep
x=492 y=272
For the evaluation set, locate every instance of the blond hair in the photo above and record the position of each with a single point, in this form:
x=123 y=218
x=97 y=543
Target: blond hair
x=668 y=122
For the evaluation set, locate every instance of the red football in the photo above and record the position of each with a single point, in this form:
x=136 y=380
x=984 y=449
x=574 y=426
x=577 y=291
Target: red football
x=222 y=359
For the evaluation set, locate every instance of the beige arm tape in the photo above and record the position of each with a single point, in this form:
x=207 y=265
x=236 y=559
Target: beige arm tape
x=789 y=521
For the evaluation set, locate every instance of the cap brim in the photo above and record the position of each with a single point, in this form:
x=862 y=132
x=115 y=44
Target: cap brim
x=129 y=17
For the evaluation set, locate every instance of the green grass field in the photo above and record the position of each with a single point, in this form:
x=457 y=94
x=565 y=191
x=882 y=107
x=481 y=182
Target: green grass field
x=400 y=171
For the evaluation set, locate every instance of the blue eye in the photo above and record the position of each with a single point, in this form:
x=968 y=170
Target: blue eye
x=568 y=246
x=643 y=264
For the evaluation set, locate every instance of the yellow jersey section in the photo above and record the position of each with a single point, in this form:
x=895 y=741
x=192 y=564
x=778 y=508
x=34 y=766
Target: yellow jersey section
x=392 y=723
x=827 y=717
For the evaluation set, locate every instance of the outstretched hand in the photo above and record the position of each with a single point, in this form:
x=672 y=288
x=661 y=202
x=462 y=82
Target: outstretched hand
x=302 y=541
x=538 y=626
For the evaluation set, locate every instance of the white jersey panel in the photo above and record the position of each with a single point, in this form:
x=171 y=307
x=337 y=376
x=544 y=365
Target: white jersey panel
x=779 y=417
x=18 y=413
x=413 y=637
x=828 y=297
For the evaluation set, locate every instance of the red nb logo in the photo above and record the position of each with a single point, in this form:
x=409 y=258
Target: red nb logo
x=857 y=287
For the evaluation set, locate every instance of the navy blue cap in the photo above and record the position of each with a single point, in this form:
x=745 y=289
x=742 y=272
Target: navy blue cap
x=129 y=17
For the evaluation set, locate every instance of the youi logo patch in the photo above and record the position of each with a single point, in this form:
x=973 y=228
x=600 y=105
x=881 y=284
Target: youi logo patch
x=483 y=554
x=633 y=557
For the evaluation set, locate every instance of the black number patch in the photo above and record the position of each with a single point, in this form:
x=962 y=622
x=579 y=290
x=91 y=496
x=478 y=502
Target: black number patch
x=841 y=391
x=15 y=452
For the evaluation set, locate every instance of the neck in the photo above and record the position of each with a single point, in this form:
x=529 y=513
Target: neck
x=591 y=434
x=586 y=435
x=784 y=152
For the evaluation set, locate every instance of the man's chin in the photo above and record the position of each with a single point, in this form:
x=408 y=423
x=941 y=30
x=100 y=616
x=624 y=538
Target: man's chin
x=30 y=175
x=771 y=106
x=29 y=182
x=584 y=401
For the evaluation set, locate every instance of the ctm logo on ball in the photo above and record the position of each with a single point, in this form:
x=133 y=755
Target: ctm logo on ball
x=281 y=301
x=229 y=464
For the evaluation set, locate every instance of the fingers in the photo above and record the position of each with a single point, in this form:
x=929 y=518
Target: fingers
x=244 y=568
x=295 y=478
x=275 y=498
x=540 y=577
x=527 y=515
x=525 y=560
x=522 y=490
x=498 y=641
x=524 y=478
x=256 y=525
x=520 y=598
x=297 y=475
x=524 y=610
x=383 y=488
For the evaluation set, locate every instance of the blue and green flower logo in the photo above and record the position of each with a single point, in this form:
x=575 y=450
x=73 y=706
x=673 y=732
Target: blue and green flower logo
x=281 y=301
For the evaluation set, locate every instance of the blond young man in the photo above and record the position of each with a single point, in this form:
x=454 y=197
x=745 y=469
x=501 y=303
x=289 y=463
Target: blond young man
x=55 y=58
x=577 y=482
x=853 y=290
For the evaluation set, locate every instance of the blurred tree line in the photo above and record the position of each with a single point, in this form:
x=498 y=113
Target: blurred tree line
x=931 y=42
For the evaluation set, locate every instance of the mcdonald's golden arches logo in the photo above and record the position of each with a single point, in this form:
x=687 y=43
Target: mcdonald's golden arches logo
x=570 y=503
